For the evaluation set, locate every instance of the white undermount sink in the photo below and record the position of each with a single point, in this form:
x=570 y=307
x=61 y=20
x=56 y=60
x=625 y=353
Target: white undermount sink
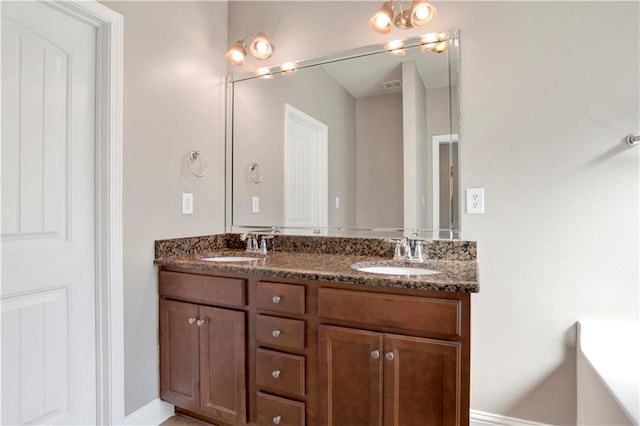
x=395 y=270
x=230 y=259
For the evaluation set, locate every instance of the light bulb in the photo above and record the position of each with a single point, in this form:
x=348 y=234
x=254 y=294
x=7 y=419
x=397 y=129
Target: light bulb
x=382 y=20
x=262 y=46
x=422 y=13
x=237 y=56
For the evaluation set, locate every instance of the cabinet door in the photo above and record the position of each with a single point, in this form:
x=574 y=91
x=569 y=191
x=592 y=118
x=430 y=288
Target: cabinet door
x=179 y=354
x=350 y=376
x=421 y=379
x=222 y=365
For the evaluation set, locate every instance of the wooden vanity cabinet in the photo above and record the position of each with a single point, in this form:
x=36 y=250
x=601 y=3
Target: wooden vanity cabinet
x=202 y=348
x=239 y=349
x=373 y=373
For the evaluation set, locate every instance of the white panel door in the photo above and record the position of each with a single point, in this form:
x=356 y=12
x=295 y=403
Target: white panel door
x=48 y=224
x=306 y=170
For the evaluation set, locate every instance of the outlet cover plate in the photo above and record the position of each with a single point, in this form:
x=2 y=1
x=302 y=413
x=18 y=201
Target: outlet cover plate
x=475 y=200
x=187 y=203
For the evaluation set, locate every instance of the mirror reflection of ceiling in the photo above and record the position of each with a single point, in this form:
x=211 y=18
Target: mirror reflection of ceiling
x=366 y=76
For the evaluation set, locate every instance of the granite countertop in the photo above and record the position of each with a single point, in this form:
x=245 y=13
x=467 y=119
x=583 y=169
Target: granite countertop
x=455 y=275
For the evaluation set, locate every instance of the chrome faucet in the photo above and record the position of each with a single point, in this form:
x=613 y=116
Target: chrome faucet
x=252 y=242
x=403 y=251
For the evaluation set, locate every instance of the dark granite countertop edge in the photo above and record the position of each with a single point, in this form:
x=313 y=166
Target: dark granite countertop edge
x=354 y=277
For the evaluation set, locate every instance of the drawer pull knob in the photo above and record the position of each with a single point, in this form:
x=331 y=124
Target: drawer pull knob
x=375 y=354
x=275 y=333
x=276 y=299
x=192 y=320
x=389 y=356
x=275 y=374
x=276 y=420
x=199 y=323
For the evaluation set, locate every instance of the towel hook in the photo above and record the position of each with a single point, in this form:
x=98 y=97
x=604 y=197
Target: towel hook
x=633 y=140
x=192 y=156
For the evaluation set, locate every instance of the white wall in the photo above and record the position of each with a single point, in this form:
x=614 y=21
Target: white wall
x=173 y=103
x=379 y=161
x=549 y=90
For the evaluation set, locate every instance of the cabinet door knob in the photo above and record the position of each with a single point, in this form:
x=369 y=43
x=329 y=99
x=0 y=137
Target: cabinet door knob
x=199 y=323
x=276 y=420
x=275 y=374
x=276 y=299
x=389 y=356
x=275 y=333
x=375 y=354
x=192 y=320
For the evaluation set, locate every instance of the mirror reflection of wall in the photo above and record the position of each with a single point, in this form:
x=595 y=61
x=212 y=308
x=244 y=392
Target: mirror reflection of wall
x=382 y=112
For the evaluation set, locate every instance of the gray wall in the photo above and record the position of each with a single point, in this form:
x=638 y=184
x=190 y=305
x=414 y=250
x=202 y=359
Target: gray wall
x=549 y=89
x=379 y=161
x=259 y=137
x=173 y=103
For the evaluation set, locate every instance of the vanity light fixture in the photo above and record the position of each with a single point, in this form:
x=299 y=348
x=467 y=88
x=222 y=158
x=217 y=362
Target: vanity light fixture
x=421 y=13
x=260 y=48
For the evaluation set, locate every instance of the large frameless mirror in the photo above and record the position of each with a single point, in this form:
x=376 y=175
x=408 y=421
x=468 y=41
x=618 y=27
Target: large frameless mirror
x=364 y=142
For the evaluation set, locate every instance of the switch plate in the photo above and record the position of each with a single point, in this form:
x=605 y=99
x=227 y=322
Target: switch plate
x=255 y=204
x=187 y=203
x=475 y=200
x=337 y=202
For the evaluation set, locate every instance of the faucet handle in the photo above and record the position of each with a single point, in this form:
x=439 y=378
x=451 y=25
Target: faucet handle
x=419 y=251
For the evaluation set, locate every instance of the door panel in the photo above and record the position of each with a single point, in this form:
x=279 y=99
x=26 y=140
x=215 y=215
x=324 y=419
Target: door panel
x=428 y=398
x=48 y=216
x=222 y=364
x=179 y=356
x=351 y=378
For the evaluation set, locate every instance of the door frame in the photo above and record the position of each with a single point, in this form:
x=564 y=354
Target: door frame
x=438 y=140
x=108 y=204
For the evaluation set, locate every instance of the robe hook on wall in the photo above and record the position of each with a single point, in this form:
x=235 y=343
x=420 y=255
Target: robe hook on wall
x=633 y=140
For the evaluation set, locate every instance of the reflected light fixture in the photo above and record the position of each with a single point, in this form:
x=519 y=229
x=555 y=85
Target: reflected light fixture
x=421 y=13
x=395 y=47
x=260 y=48
x=435 y=42
x=288 y=68
x=263 y=72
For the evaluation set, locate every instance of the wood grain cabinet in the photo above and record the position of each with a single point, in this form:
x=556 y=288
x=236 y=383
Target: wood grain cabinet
x=237 y=349
x=202 y=354
x=371 y=377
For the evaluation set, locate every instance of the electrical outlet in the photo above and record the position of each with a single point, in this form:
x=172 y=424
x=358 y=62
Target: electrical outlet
x=475 y=200
x=187 y=203
x=255 y=204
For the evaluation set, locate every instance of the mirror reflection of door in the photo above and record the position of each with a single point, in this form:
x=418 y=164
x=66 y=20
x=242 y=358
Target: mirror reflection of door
x=306 y=170
x=446 y=211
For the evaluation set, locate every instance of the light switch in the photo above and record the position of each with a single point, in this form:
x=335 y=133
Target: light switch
x=255 y=204
x=187 y=203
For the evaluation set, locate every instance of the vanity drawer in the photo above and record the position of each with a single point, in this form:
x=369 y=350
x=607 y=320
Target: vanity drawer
x=279 y=371
x=203 y=288
x=281 y=332
x=424 y=314
x=275 y=410
x=279 y=297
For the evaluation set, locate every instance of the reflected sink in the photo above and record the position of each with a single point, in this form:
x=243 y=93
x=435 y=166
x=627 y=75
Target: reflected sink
x=230 y=259
x=395 y=270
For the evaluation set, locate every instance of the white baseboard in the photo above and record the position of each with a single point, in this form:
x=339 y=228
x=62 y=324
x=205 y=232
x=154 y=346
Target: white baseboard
x=157 y=411
x=152 y=414
x=480 y=418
